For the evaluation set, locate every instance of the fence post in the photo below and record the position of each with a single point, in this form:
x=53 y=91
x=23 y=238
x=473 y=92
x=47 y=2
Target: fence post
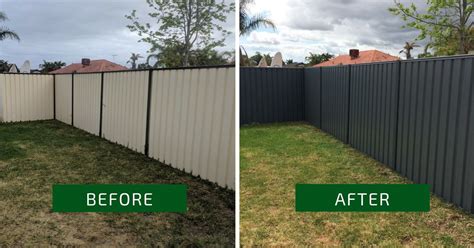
x=148 y=112
x=395 y=165
x=321 y=98
x=101 y=102
x=72 y=99
x=54 y=96
x=348 y=105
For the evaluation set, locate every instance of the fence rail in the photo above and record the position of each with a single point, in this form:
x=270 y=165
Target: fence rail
x=183 y=117
x=416 y=116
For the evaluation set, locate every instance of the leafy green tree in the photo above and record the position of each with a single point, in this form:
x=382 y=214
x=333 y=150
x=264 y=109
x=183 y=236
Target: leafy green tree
x=426 y=53
x=171 y=55
x=6 y=33
x=447 y=24
x=250 y=23
x=47 y=67
x=133 y=60
x=185 y=25
x=289 y=61
x=314 y=58
x=143 y=66
x=211 y=57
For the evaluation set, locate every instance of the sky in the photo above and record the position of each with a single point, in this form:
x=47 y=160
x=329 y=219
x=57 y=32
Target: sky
x=69 y=30
x=333 y=26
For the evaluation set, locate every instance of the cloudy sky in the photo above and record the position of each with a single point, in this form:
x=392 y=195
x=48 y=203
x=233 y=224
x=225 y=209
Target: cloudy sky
x=332 y=26
x=69 y=30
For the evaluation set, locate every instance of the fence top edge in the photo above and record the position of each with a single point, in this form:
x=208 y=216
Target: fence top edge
x=272 y=68
x=153 y=69
x=461 y=56
x=25 y=73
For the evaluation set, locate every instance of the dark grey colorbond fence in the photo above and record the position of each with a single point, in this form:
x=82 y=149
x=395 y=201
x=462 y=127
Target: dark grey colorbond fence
x=312 y=97
x=335 y=101
x=373 y=105
x=415 y=116
x=271 y=95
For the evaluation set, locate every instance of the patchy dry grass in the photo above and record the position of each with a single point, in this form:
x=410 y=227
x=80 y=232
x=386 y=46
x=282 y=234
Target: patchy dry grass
x=276 y=157
x=34 y=156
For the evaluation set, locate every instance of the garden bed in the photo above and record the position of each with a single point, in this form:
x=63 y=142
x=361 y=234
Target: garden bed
x=36 y=155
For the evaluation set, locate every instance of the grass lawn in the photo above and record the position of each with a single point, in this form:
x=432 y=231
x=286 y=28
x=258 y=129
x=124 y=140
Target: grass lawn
x=36 y=155
x=275 y=157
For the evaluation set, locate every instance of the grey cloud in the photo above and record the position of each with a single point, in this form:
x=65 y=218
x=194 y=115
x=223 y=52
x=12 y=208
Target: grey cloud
x=69 y=30
x=369 y=21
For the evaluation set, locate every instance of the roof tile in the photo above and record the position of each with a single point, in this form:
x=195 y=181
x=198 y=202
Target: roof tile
x=369 y=56
x=99 y=65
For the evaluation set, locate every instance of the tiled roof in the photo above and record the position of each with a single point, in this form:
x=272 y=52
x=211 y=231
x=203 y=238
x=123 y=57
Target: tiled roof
x=98 y=65
x=368 y=56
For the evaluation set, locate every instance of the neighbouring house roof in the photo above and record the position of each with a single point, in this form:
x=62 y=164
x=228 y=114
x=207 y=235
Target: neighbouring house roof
x=98 y=65
x=368 y=56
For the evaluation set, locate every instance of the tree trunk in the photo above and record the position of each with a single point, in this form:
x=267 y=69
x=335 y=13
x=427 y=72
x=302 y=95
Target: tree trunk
x=462 y=28
x=186 y=58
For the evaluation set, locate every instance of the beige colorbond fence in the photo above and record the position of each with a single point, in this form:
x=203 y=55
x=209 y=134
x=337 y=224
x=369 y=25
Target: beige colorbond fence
x=87 y=91
x=186 y=120
x=63 y=98
x=125 y=108
x=26 y=97
x=192 y=122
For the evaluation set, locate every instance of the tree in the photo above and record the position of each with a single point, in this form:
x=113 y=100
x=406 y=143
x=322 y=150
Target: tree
x=212 y=57
x=289 y=61
x=408 y=47
x=143 y=66
x=255 y=59
x=4 y=66
x=248 y=23
x=133 y=60
x=170 y=55
x=446 y=22
x=426 y=53
x=6 y=33
x=47 y=67
x=186 y=24
x=314 y=58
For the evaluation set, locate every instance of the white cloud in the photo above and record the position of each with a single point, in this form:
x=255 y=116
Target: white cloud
x=333 y=26
x=264 y=38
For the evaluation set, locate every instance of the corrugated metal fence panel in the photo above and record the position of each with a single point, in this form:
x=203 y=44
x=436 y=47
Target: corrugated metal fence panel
x=125 y=108
x=271 y=95
x=26 y=97
x=87 y=102
x=192 y=122
x=312 y=90
x=435 y=128
x=335 y=101
x=373 y=110
x=64 y=98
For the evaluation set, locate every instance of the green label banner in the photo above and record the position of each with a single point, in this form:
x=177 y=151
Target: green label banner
x=362 y=198
x=120 y=198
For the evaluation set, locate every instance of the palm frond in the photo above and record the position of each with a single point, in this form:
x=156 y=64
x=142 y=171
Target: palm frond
x=256 y=22
x=5 y=33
